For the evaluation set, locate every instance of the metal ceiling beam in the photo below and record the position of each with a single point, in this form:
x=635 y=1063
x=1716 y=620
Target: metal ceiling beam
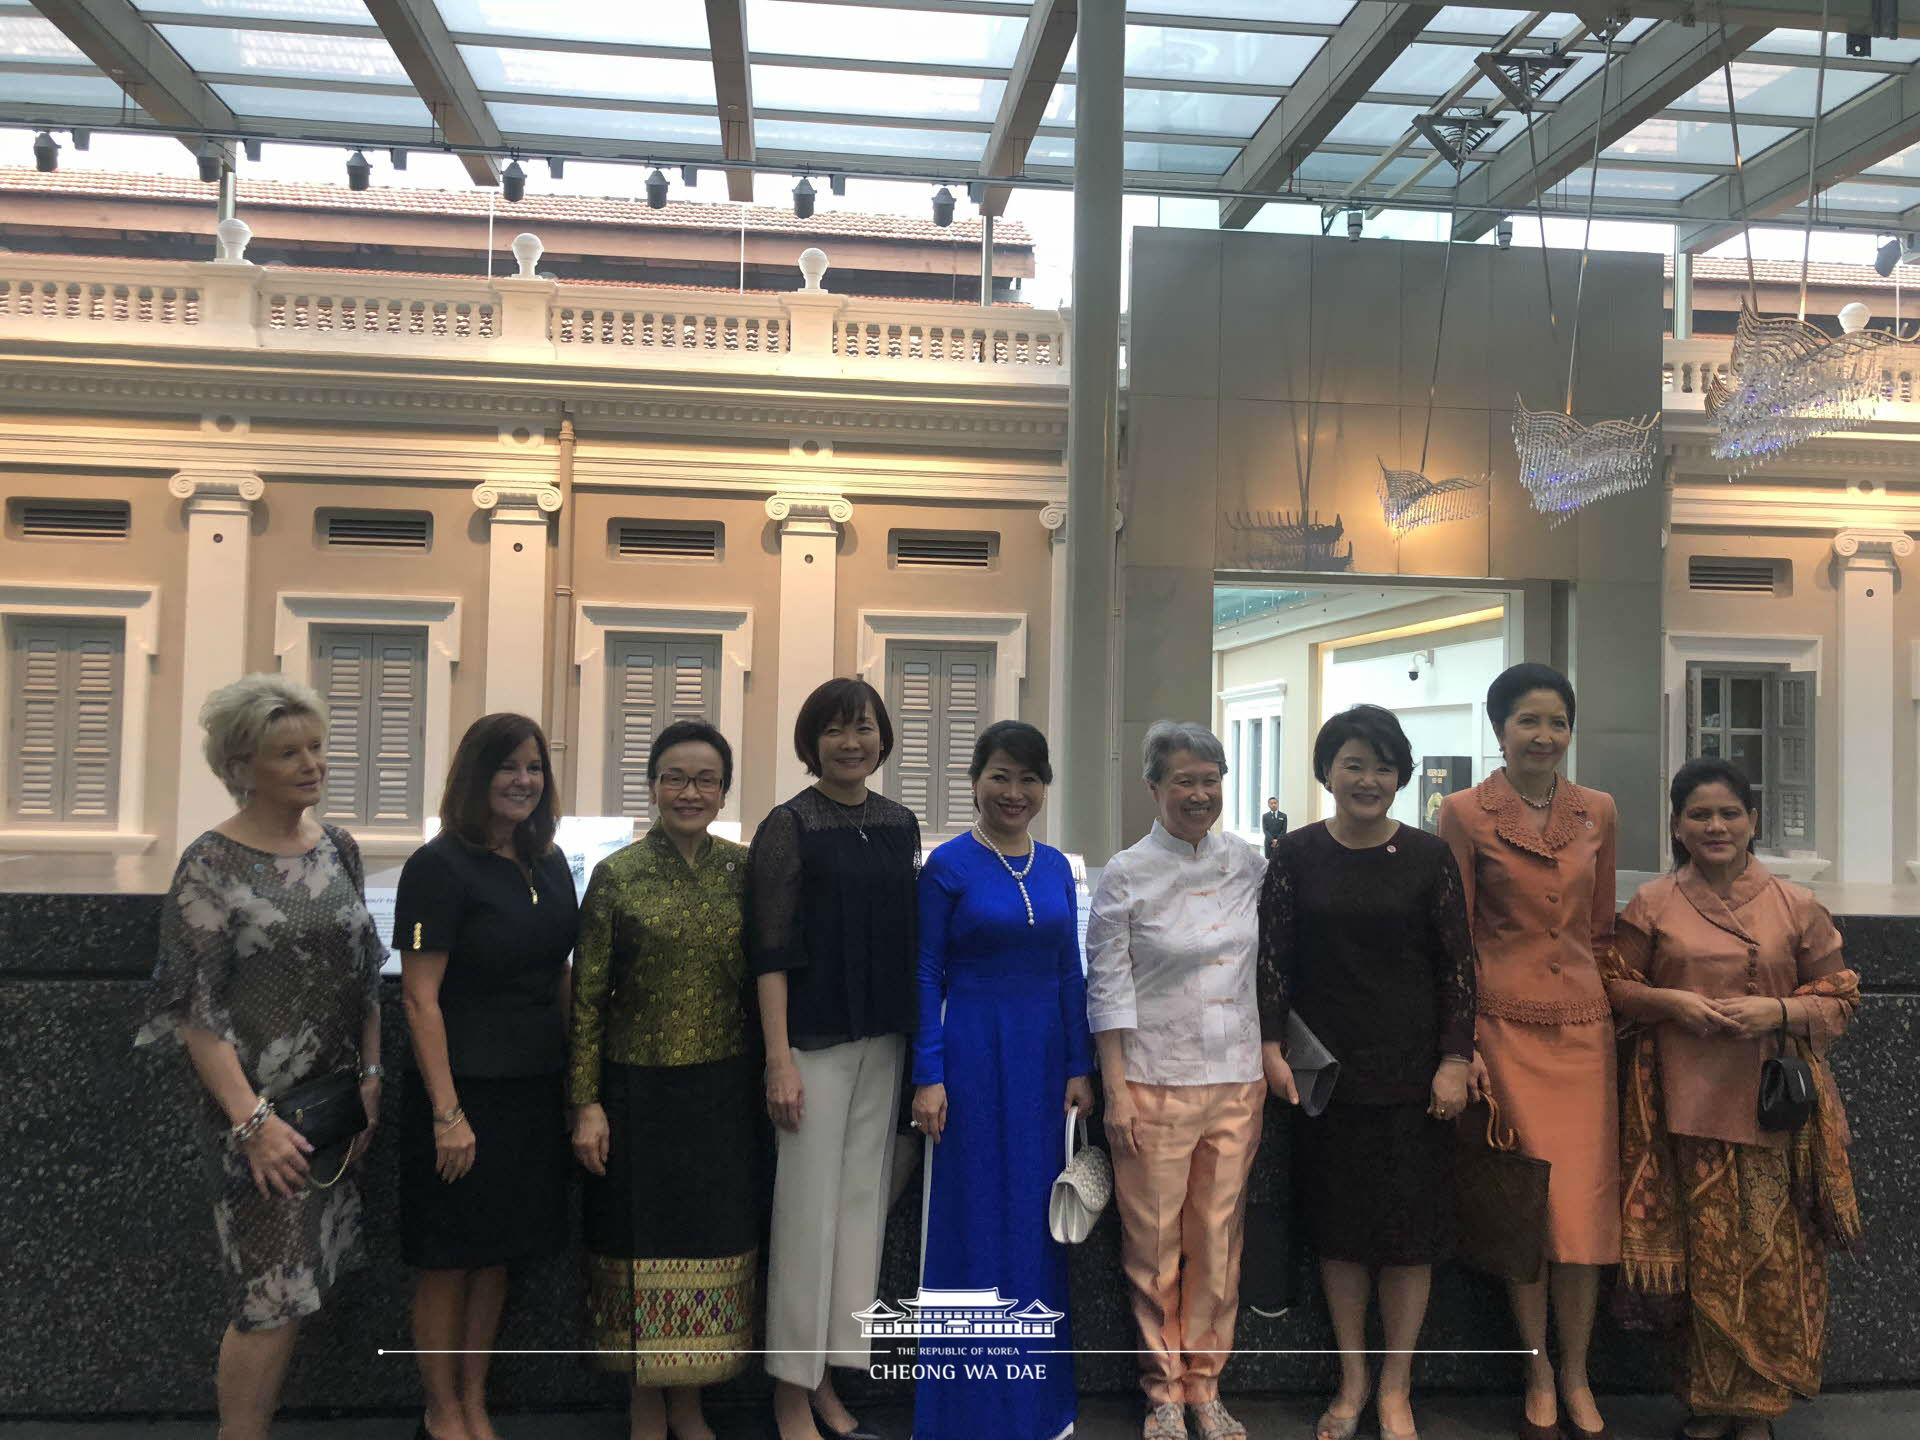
x=733 y=90
x=1659 y=68
x=112 y=35
x=433 y=63
x=1845 y=17
x=1344 y=69
x=1036 y=70
x=1881 y=123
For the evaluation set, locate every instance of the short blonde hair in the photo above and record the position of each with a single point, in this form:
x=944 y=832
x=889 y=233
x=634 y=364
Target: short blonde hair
x=237 y=717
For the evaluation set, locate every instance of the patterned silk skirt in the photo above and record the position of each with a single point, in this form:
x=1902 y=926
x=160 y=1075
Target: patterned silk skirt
x=671 y=1231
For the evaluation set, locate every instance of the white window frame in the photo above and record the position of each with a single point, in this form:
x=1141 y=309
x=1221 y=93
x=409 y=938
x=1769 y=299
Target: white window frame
x=597 y=620
x=1264 y=704
x=137 y=608
x=1795 y=652
x=1006 y=631
x=297 y=612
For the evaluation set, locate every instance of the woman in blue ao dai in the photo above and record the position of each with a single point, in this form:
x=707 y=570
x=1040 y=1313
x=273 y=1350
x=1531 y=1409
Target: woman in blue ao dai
x=1001 y=1054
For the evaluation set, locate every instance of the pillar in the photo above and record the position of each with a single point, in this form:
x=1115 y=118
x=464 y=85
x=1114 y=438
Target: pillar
x=1054 y=518
x=517 y=592
x=1087 y=803
x=219 y=514
x=1868 y=568
x=809 y=555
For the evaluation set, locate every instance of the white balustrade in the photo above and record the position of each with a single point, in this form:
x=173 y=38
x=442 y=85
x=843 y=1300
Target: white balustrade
x=46 y=303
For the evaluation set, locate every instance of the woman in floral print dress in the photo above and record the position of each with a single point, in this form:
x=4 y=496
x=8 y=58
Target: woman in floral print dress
x=269 y=974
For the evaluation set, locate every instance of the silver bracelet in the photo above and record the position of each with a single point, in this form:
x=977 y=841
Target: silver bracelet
x=250 y=1127
x=373 y=1071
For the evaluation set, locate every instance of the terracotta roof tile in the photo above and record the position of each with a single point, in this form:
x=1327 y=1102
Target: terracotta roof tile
x=1787 y=272
x=566 y=209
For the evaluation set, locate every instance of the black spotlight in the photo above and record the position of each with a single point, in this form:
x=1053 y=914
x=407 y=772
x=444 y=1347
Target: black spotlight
x=397 y=157
x=1888 y=257
x=1859 y=46
x=46 y=152
x=213 y=161
x=252 y=147
x=556 y=167
x=359 y=171
x=803 y=198
x=656 y=191
x=1356 y=223
x=689 y=175
x=1503 y=233
x=943 y=207
x=82 y=139
x=513 y=183
x=837 y=184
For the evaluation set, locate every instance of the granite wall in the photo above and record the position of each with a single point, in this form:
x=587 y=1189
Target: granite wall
x=109 y=1302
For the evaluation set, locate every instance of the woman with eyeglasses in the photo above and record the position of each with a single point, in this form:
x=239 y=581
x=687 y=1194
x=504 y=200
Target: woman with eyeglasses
x=663 y=1075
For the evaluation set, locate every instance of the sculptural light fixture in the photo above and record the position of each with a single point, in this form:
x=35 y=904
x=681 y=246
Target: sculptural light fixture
x=1565 y=464
x=1790 y=381
x=1408 y=499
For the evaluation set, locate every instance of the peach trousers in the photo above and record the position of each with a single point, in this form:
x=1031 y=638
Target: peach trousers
x=1183 y=1205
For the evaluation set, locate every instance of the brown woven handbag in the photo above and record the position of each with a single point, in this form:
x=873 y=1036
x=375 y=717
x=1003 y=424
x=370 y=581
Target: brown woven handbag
x=1502 y=1199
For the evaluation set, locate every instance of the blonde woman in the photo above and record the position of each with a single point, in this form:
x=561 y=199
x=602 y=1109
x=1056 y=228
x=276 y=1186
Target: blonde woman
x=268 y=973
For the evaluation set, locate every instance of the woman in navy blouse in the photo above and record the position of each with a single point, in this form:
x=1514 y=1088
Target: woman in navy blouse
x=1002 y=1033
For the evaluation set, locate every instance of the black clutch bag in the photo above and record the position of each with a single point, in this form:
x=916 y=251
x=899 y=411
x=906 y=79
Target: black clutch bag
x=328 y=1113
x=1786 y=1086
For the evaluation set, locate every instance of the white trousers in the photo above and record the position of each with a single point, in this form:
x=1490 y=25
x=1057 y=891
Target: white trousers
x=830 y=1194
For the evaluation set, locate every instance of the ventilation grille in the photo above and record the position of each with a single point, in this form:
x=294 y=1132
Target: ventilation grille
x=665 y=540
x=1732 y=576
x=377 y=529
x=72 y=519
x=944 y=549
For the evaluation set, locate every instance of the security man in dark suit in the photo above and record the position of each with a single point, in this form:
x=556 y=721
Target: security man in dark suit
x=1274 y=823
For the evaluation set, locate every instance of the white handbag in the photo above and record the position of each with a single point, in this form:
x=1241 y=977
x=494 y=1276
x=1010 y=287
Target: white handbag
x=1082 y=1188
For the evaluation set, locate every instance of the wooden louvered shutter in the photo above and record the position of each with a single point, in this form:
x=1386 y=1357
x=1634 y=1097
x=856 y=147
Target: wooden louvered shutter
x=655 y=681
x=1790 y=780
x=939 y=702
x=374 y=685
x=65 y=763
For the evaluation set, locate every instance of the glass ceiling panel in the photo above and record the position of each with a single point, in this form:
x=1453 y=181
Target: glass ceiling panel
x=342 y=107
x=824 y=141
x=1628 y=185
x=1174 y=112
x=655 y=22
x=278 y=53
x=1140 y=156
x=1855 y=196
x=1370 y=124
x=1807 y=42
x=1429 y=70
x=786 y=27
x=30 y=40
x=1311 y=12
x=1156 y=52
x=1776 y=89
x=643 y=126
x=1907 y=162
x=569 y=74
x=934 y=97
x=1342 y=169
x=350 y=12
x=1697 y=141
x=63 y=89
x=1471 y=20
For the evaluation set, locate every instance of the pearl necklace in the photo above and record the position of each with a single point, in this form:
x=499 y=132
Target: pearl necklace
x=1019 y=876
x=1553 y=789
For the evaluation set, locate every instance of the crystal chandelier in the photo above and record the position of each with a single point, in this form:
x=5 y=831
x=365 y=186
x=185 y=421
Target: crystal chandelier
x=1408 y=500
x=1789 y=383
x=1566 y=466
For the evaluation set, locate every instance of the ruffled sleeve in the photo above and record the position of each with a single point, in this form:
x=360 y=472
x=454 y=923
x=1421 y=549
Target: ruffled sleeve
x=195 y=962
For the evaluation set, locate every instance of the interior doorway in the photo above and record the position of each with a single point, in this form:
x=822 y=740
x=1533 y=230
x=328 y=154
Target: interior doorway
x=1287 y=655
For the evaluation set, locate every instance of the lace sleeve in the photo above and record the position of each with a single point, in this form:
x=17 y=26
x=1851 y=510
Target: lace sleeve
x=1453 y=959
x=773 y=895
x=1273 y=973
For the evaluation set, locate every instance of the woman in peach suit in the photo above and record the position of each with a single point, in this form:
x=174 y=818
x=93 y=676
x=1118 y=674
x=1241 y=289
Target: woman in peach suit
x=1536 y=859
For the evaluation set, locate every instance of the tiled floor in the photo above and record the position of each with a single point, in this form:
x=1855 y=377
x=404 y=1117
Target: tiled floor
x=1863 y=1415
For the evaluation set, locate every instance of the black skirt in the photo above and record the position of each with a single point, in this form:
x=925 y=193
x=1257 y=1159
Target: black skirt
x=1376 y=1184
x=512 y=1205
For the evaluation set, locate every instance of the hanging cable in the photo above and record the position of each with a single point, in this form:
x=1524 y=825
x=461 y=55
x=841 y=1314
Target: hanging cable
x=1586 y=239
x=1739 y=171
x=1813 y=157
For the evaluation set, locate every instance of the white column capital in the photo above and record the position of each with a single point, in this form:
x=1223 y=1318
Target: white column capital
x=237 y=487
x=1887 y=547
x=1053 y=518
x=788 y=506
x=506 y=496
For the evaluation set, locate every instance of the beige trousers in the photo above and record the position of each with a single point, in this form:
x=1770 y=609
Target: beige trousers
x=1183 y=1205
x=830 y=1193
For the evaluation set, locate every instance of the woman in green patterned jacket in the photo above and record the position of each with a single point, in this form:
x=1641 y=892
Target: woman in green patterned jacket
x=668 y=1088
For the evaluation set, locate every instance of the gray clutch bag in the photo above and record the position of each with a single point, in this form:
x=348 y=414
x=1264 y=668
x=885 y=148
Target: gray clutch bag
x=1314 y=1067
